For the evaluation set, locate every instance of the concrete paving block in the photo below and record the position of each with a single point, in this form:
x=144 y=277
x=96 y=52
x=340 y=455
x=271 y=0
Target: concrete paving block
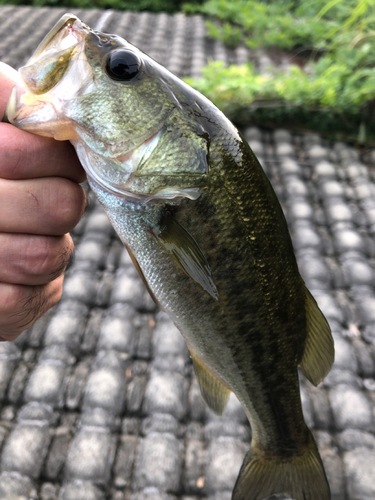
x=81 y=286
x=284 y=149
x=14 y=486
x=25 y=449
x=57 y=453
x=289 y=166
x=335 y=474
x=321 y=408
x=152 y=494
x=161 y=422
x=124 y=461
x=317 y=152
x=329 y=306
x=98 y=223
x=331 y=189
x=221 y=426
x=36 y=412
x=46 y=384
x=127 y=288
x=76 y=385
x=67 y=327
x=324 y=169
x=90 y=456
x=117 y=330
x=49 y=491
x=17 y=383
x=158 y=463
x=281 y=135
x=197 y=405
x=92 y=250
x=360 y=473
x=345 y=358
x=358 y=273
x=351 y=439
x=347 y=240
x=80 y=490
x=306 y=238
x=307 y=407
x=195 y=465
x=351 y=408
x=166 y=392
x=300 y=210
x=365 y=306
x=224 y=459
x=7 y=367
x=105 y=389
x=296 y=189
x=181 y=364
x=167 y=339
x=135 y=393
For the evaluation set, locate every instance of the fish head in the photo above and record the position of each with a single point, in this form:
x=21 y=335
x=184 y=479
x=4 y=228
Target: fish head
x=135 y=126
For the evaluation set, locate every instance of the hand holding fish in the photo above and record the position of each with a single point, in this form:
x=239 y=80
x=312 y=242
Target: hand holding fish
x=40 y=201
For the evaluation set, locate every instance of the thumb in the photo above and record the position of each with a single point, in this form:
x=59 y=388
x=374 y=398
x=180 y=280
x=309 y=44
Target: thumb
x=8 y=78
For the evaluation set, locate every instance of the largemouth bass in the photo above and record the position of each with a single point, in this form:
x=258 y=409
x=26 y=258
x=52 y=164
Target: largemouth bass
x=203 y=227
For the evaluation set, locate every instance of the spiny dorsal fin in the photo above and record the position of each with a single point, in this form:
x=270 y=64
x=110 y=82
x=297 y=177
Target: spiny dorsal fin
x=214 y=392
x=319 y=352
x=185 y=251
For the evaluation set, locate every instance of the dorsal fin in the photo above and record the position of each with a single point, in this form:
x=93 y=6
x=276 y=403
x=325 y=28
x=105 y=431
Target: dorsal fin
x=319 y=352
x=214 y=392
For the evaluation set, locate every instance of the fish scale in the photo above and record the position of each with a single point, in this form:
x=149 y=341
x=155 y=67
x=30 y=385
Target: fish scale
x=204 y=229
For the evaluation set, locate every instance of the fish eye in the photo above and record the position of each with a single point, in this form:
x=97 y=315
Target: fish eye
x=122 y=65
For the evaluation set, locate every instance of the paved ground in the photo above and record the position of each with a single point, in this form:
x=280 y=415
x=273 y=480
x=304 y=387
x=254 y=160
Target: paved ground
x=98 y=400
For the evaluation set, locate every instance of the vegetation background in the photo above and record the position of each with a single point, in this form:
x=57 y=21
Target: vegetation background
x=329 y=84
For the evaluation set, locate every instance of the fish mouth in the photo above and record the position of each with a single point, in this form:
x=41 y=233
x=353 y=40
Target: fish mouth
x=68 y=22
x=50 y=80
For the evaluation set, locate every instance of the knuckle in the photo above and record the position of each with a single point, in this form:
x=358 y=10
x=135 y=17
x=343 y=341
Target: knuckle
x=70 y=205
x=49 y=257
x=21 y=306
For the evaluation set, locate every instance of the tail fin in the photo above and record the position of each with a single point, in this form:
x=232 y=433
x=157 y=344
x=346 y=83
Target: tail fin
x=300 y=476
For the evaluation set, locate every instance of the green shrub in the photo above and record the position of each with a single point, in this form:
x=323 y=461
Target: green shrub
x=337 y=85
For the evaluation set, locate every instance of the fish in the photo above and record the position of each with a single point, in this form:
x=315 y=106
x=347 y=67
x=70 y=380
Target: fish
x=204 y=228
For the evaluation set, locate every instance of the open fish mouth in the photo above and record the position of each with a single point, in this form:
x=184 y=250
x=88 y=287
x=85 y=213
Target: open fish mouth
x=42 y=98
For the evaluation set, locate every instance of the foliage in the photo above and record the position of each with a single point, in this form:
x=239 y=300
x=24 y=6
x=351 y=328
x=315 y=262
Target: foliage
x=338 y=40
x=169 y=6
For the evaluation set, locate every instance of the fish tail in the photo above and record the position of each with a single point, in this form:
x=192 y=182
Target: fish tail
x=301 y=476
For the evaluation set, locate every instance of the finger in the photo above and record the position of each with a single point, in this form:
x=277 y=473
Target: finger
x=21 y=305
x=26 y=156
x=47 y=206
x=33 y=260
x=8 y=78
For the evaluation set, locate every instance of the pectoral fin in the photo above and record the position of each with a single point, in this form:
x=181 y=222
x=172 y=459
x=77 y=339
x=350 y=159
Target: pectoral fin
x=185 y=251
x=214 y=392
x=319 y=352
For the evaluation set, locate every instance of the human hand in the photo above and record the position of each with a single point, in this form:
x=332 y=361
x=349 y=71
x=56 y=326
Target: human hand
x=40 y=201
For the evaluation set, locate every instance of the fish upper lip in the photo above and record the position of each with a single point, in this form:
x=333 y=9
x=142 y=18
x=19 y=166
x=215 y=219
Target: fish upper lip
x=70 y=21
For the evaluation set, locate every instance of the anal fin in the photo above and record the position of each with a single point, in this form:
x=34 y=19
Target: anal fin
x=214 y=392
x=319 y=352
